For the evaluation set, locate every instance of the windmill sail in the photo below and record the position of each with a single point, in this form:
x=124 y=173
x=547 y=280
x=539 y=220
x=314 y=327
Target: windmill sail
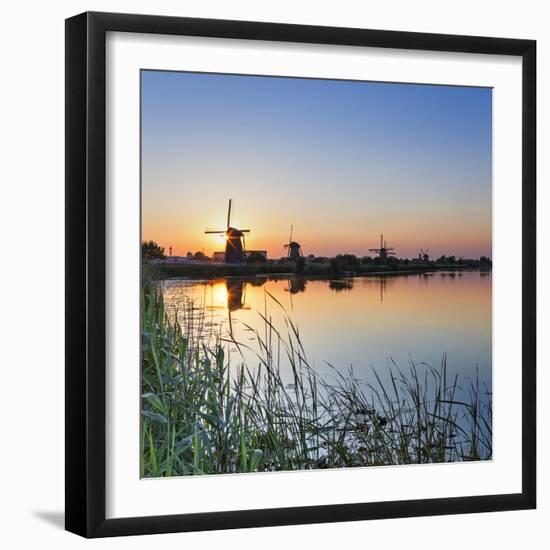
x=234 y=240
x=294 y=248
x=384 y=251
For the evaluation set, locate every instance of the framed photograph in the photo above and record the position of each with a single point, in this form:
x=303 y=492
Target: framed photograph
x=300 y=274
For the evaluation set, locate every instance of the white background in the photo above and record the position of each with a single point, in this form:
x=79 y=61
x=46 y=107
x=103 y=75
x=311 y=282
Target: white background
x=31 y=224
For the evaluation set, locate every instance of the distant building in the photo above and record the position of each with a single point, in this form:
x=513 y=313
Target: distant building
x=262 y=253
x=220 y=256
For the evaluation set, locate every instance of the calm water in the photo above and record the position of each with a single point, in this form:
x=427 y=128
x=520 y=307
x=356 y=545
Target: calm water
x=360 y=322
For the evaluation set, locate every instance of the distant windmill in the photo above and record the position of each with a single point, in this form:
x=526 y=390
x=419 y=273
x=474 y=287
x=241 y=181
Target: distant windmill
x=425 y=255
x=294 y=249
x=383 y=251
x=234 y=241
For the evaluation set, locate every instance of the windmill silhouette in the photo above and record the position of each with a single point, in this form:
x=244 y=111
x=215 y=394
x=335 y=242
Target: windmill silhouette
x=383 y=251
x=235 y=250
x=425 y=256
x=294 y=249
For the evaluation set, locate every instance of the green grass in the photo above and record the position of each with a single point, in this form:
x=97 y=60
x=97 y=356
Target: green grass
x=205 y=412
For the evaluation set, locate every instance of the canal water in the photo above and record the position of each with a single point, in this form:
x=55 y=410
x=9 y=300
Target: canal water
x=360 y=323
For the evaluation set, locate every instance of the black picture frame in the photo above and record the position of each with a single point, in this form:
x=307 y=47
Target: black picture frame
x=86 y=274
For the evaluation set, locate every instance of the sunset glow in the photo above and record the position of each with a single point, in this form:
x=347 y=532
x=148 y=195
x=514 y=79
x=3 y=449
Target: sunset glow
x=340 y=161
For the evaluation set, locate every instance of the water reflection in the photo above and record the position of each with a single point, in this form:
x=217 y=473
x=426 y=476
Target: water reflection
x=381 y=284
x=235 y=290
x=361 y=321
x=338 y=285
x=296 y=284
x=236 y=294
x=230 y=293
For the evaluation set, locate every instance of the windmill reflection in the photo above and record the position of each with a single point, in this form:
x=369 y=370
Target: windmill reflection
x=236 y=299
x=236 y=294
x=228 y=295
x=294 y=286
x=381 y=284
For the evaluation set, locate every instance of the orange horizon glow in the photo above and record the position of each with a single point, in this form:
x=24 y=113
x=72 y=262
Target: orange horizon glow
x=407 y=237
x=340 y=161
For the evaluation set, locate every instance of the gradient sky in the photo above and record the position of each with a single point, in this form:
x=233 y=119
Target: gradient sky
x=341 y=161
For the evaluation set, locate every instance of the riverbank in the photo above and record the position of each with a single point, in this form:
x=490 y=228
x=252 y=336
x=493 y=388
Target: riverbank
x=205 y=411
x=213 y=270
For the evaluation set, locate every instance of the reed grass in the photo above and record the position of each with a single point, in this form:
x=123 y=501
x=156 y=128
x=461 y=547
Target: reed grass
x=204 y=411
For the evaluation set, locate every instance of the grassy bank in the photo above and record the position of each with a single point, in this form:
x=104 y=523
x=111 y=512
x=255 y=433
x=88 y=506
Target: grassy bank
x=205 y=412
x=214 y=270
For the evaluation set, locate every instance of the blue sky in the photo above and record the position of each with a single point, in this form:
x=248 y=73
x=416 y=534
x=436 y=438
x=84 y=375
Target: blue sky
x=342 y=161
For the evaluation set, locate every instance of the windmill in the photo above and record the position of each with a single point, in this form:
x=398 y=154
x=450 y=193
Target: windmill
x=234 y=241
x=294 y=249
x=424 y=254
x=383 y=251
